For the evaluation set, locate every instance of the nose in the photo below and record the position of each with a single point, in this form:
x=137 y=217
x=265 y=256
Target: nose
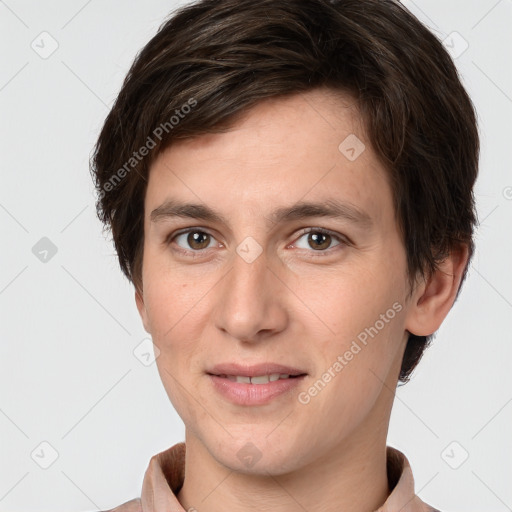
x=251 y=301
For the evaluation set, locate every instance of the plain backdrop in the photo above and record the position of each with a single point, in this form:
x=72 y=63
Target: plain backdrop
x=80 y=411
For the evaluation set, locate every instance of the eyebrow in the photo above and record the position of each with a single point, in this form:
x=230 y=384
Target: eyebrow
x=330 y=208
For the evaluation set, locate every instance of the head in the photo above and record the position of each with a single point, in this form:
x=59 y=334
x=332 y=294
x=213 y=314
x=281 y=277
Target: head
x=244 y=108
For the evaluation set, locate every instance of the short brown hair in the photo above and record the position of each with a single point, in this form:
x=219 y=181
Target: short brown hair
x=221 y=57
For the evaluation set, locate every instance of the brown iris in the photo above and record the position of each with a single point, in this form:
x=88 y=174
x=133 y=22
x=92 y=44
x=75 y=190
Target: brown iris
x=200 y=238
x=316 y=236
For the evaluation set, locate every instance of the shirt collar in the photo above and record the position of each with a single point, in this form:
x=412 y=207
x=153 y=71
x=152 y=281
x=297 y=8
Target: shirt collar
x=166 y=472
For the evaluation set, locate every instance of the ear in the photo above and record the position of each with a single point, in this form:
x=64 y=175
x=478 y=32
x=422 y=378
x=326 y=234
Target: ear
x=139 y=300
x=433 y=298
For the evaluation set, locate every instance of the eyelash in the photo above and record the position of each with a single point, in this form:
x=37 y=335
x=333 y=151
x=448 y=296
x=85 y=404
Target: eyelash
x=315 y=254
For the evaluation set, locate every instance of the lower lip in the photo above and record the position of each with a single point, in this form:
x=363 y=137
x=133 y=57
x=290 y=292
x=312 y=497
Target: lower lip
x=242 y=393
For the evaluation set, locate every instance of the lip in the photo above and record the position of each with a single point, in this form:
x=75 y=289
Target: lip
x=241 y=393
x=253 y=370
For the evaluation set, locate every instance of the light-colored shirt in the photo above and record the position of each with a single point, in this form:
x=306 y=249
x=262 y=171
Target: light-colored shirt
x=166 y=472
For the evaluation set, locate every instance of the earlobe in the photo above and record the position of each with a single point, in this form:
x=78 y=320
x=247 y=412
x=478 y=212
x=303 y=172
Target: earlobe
x=139 y=300
x=434 y=298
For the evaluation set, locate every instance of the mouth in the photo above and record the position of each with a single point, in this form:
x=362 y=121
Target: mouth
x=254 y=385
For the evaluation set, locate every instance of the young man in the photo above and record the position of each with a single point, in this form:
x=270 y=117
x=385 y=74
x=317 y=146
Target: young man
x=289 y=188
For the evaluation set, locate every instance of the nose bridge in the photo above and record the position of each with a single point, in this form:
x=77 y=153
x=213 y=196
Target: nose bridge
x=249 y=300
x=247 y=283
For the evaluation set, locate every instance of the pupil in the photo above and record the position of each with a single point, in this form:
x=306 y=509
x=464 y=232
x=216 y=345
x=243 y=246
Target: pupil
x=194 y=239
x=316 y=236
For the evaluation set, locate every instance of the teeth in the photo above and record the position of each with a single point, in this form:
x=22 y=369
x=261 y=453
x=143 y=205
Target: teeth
x=260 y=379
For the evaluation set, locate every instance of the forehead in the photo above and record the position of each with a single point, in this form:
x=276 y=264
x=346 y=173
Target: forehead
x=305 y=146
x=282 y=124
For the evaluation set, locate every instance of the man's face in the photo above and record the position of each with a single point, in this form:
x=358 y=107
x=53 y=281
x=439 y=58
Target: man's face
x=251 y=288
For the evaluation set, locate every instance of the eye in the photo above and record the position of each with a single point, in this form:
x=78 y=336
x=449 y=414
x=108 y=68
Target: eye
x=319 y=239
x=195 y=240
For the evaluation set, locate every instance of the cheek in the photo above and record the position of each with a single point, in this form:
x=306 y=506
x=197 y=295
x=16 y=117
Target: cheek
x=365 y=314
x=354 y=300
x=175 y=305
x=356 y=370
x=176 y=331
x=169 y=295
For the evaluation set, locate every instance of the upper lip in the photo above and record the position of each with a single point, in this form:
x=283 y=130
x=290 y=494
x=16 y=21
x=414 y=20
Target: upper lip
x=253 y=370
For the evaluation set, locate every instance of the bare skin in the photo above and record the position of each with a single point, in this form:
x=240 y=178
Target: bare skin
x=302 y=302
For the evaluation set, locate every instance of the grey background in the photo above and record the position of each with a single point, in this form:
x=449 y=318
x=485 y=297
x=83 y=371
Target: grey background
x=69 y=376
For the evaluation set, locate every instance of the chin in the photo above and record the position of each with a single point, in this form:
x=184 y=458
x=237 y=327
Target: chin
x=257 y=455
